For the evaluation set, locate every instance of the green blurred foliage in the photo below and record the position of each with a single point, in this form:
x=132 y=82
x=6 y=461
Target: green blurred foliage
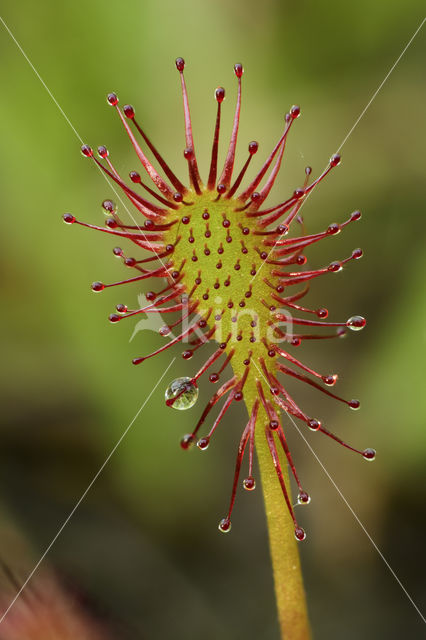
x=143 y=546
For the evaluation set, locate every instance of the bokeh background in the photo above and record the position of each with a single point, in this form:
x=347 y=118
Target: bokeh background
x=142 y=557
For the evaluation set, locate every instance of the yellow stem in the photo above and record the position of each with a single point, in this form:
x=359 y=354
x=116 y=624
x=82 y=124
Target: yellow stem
x=289 y=590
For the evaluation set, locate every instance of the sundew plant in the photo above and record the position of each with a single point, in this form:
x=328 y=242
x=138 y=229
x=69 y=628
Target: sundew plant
x=228 y=267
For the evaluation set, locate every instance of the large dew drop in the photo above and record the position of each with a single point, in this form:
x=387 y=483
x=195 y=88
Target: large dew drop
x=181 y=394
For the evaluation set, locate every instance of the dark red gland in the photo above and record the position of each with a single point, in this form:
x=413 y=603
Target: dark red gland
x=238 y=68
x=249 y=483
x=187 y=441
x=303 y=498
x=109 y=206
x=322 y=312
x=314 y=424
x=87 y=151
x=220 y=94
x=335 y=160
x=253 y=147
x=129 y=112
x=112 y=99
x=180 y=64
x=354 y=404
x=295 y=111
x=98 y=286
x=333 y=228
x=121 y=308
x=369 y=454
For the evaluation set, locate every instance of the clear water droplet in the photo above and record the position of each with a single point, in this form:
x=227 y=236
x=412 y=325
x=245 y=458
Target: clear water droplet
x=181 y=394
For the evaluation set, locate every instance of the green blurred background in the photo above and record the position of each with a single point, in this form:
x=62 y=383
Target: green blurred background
x=142 y=554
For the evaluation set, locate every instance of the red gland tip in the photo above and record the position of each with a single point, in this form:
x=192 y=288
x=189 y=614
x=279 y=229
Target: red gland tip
x=187 y=441
x=220 y=94
x=303 y=498
x=68 y=218
x=112 y=99
x=354 y=404
x=295 y=111
x=253 y=147
x=114 y=317
x=357 y=254
x=224 y=525
x=177 y=196
x=369 y=454
x=103 y=151
x=121 y=308
x=322 y=312
x=249 y=483
x=283 y=229
x=87 y=151
x=180 y=64
x=238 y=69
x=299 y=534
x=335 y=160
x=129 y=112
x=335 y=266
x=109 y=206
x=314 y=424
x=203 y=443
x=97 y=286
x=333 y=228
x=356 y=215
x=135 y=177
